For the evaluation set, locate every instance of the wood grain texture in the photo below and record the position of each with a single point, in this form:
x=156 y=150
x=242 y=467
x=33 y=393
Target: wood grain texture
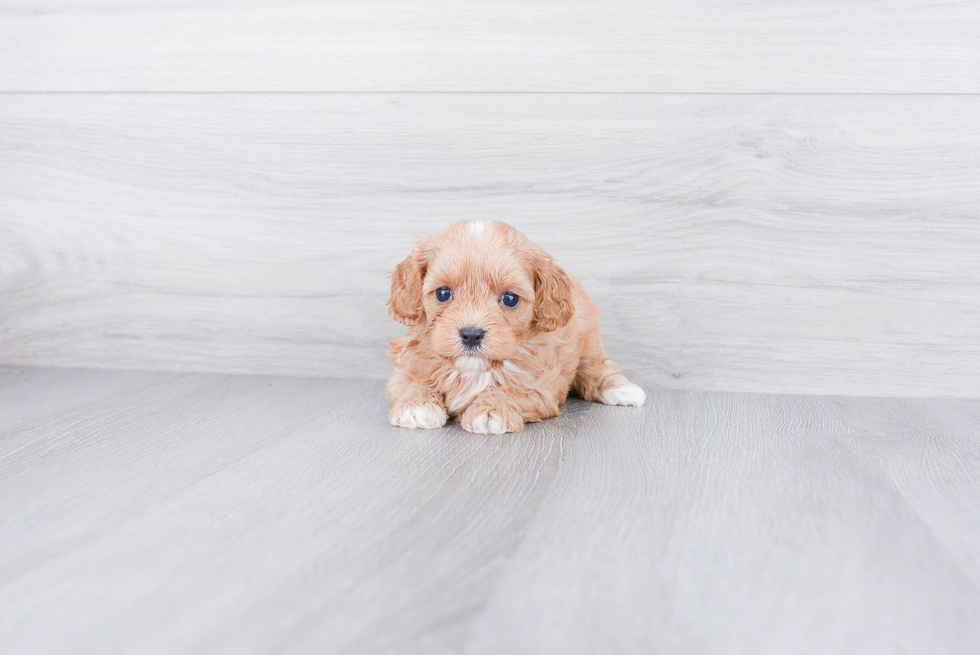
x=761 y=243
x=28 y=395
x=542 y=45
x=702 y=523
x=221 y=514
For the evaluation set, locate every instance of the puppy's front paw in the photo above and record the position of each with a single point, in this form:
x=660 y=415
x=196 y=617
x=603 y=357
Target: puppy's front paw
x=485 y=419
x=624 y=394
x=426 y=416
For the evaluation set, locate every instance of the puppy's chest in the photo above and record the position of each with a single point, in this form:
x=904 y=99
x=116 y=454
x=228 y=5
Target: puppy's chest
x=467 y=379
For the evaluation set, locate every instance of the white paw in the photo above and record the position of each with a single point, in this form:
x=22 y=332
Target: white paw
x=491 y=421
x=488 y=424
x=625 y=394
x=425 y=417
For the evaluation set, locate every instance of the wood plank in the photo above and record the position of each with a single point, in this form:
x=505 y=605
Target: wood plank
x=27 y=394
x=763 y=243
x=833 y=46
x=92 y=467
x=930 y=453
x=727 y=523
x=282 y=535
x=274 y=515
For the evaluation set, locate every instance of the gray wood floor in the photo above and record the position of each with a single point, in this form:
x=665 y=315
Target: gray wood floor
x=188 y=513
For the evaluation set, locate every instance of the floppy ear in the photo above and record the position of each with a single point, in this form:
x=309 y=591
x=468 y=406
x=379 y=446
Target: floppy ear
x=553 y=303
x=405 y=303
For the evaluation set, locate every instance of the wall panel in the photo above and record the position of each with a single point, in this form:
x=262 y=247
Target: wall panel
x=629 y=46
x=821 y=244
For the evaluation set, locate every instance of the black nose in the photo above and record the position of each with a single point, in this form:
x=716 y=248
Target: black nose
x=471 y=336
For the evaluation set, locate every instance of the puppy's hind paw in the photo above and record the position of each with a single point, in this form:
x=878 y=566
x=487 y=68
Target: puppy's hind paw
x=425 y=417
x=625 y=394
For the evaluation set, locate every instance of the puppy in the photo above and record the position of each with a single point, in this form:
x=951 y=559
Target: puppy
x=498 y=334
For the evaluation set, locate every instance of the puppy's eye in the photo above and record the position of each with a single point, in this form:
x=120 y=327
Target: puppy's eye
x=443 y=294
x=509 y=299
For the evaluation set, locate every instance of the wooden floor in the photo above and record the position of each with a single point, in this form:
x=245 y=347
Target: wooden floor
x=188 y=513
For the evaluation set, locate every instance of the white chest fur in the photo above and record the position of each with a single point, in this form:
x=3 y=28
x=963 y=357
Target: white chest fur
x=474 y=375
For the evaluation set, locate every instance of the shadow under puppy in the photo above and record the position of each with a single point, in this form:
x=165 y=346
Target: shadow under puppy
x=498 y=334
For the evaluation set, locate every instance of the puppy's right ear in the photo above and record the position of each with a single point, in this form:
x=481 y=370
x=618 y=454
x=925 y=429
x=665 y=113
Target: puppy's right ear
x=405 y=304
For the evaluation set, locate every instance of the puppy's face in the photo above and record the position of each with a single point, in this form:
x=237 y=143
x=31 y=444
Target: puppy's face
x=478 y=297
x=479 y=289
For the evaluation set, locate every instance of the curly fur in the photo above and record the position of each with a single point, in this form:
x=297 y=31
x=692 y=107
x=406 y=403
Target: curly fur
x=531 y=356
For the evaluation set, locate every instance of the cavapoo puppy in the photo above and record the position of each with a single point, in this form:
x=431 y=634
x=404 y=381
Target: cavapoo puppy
x=498 y=334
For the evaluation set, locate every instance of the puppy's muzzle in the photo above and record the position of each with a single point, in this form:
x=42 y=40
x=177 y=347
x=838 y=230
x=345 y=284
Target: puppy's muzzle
x=471 y=337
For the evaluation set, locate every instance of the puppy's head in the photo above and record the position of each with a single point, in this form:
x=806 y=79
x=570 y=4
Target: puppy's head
x=479 y=289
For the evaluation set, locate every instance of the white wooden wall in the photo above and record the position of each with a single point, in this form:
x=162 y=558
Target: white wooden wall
x=761 y=196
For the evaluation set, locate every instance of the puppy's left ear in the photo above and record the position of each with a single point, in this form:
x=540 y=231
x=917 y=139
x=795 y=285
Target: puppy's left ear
x=553 y=303
x=405 y=303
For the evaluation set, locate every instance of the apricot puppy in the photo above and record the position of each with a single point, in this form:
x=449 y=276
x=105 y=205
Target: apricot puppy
x=498 y=334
